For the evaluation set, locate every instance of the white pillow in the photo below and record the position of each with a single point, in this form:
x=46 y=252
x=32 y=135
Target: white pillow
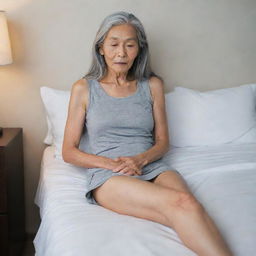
x=193 y=116
x=49 y=137
x=213 y=117
x=56 y=104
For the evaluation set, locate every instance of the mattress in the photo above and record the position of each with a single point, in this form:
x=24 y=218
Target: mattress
x=223 y=179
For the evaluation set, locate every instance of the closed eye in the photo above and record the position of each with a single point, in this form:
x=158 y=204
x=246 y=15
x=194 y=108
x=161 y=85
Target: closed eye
x=127 y=45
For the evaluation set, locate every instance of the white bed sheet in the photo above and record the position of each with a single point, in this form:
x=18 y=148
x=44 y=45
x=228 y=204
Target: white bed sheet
x=223 y=178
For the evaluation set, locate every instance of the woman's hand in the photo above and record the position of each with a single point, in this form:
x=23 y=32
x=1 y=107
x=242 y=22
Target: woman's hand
x=130 y=165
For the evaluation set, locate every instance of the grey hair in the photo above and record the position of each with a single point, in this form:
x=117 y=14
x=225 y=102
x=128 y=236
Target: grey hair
x=141 y=68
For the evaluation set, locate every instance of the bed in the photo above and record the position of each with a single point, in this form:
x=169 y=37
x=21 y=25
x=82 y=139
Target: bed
x=220 y=169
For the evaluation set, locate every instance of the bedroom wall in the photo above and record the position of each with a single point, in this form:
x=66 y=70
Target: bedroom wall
x=200 y=44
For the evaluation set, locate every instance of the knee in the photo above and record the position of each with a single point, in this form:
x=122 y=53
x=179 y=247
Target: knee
x=186 y=201
x=182 y=201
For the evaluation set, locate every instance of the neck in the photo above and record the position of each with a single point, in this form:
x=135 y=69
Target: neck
x=116 y=78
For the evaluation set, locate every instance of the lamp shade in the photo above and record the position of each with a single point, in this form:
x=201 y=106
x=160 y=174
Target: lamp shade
x=5 y=46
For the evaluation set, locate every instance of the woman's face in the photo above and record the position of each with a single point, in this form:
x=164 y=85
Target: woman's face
x=120 y=48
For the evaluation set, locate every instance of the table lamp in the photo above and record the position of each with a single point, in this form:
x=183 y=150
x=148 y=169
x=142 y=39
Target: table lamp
x=5 y=46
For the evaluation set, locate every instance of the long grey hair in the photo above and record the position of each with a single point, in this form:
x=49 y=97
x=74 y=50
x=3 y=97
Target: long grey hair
x=140 y=70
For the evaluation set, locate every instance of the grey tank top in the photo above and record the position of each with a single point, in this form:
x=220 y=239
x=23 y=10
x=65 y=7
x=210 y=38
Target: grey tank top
x=119 y=126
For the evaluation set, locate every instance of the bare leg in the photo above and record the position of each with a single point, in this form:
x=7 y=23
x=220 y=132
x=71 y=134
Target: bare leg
x=195 y=228
x=173 y=208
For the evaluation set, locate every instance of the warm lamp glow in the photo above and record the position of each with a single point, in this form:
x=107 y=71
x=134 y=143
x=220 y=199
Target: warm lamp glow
x=5 y=46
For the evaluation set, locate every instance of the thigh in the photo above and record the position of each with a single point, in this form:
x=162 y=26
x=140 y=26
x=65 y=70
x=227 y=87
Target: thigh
x=130 y=196
x=171 y=179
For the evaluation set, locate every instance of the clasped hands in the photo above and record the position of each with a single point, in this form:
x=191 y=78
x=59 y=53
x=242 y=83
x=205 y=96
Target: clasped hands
x=128 y=165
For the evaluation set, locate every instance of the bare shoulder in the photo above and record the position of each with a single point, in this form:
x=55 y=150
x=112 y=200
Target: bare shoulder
x=80 y=86
x=156 y=87
x=80 y=91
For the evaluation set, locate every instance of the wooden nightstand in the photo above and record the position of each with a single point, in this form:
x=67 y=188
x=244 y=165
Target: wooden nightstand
x=12 y=213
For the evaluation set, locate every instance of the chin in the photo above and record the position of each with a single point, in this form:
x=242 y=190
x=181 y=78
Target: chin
x=121 y=69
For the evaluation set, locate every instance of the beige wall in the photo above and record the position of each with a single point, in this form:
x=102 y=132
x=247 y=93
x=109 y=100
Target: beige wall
x=200 y=44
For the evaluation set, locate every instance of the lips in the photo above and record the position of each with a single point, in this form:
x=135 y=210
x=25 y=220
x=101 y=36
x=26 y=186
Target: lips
x=120 y=63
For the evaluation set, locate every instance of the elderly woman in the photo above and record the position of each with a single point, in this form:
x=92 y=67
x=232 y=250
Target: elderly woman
x=120 y=103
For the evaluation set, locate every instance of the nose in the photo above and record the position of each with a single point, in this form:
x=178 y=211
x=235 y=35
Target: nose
x=121 y=51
